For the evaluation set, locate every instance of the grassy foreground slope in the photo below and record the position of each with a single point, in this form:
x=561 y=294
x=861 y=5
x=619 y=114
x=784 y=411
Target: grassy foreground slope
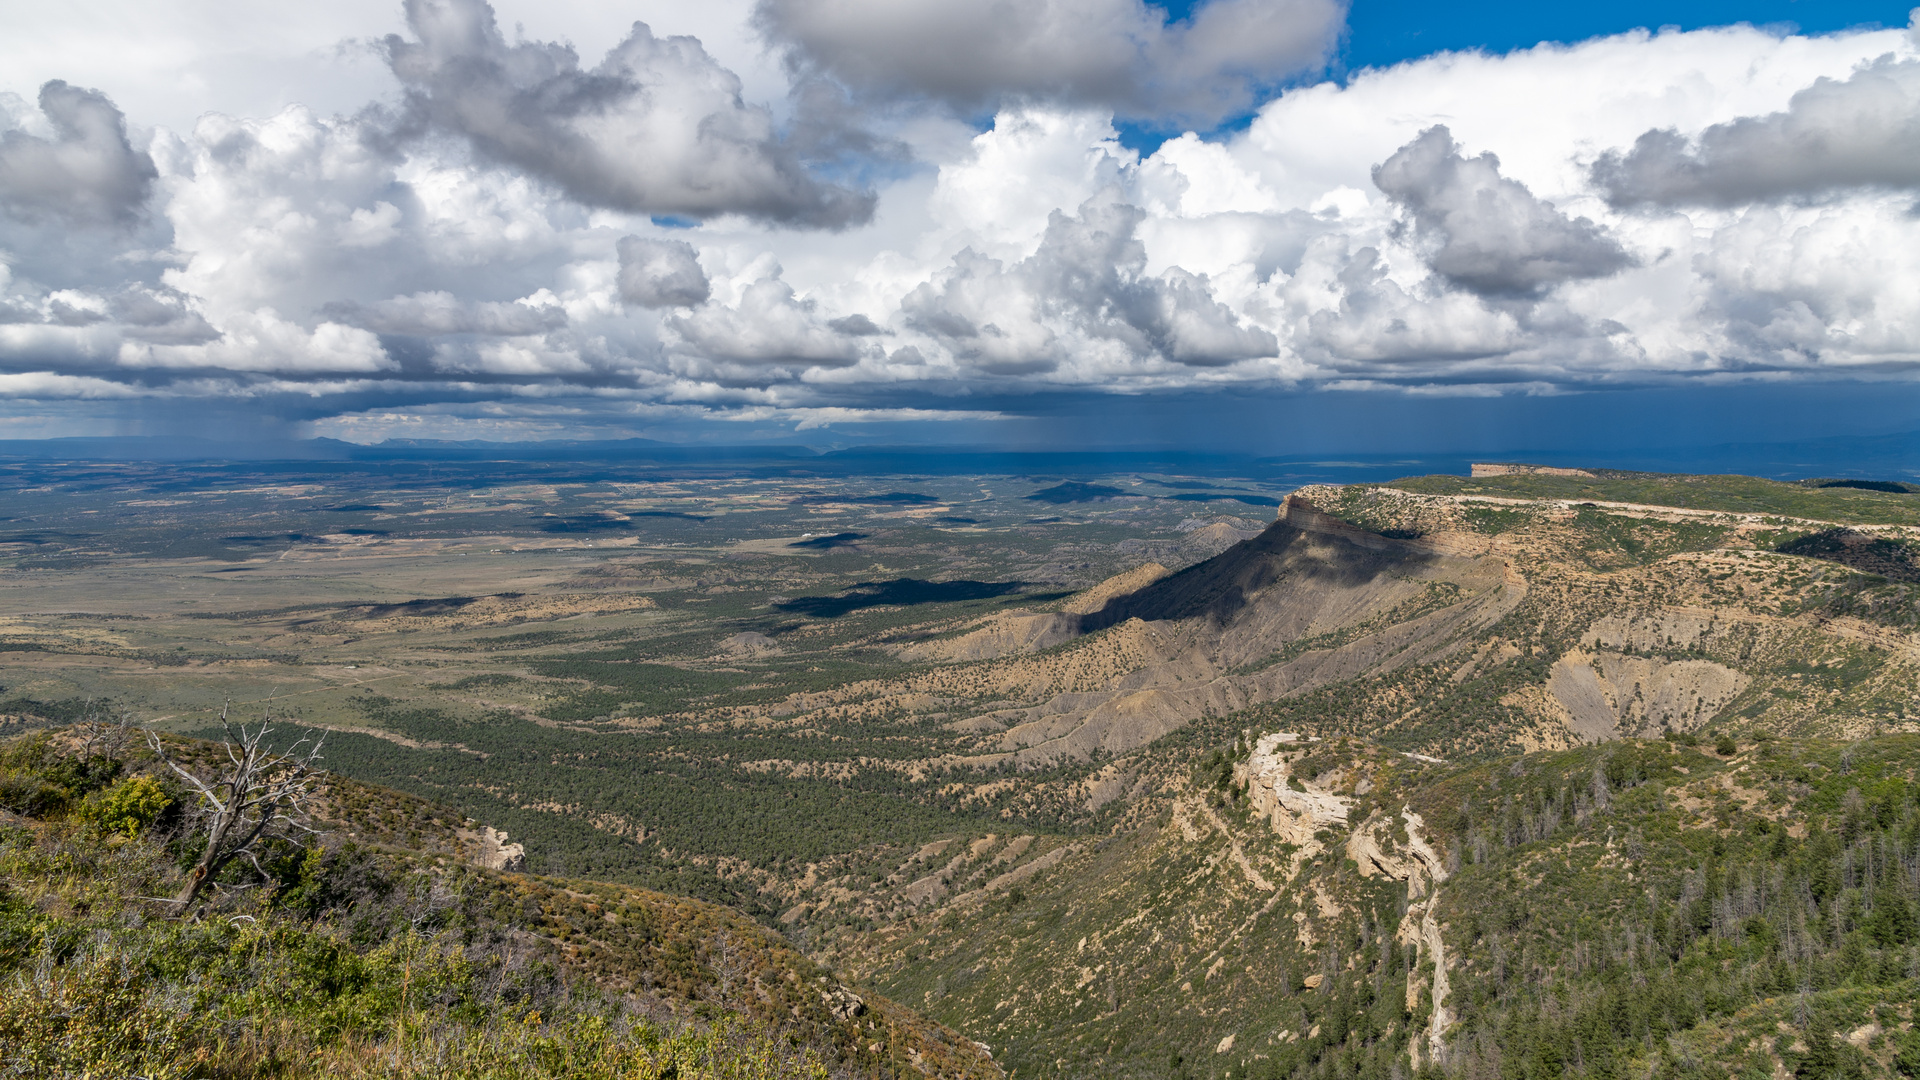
x=354 y=957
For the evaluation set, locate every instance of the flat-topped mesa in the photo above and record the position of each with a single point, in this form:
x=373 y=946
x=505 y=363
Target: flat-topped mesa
x=1297 y=512
x=1482 y=470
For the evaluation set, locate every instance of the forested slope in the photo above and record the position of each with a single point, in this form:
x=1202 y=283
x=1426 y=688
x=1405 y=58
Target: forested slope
x=1634 y=909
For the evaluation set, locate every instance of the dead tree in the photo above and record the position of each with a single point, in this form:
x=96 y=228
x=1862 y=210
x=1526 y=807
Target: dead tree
x=256 y=797
x=102 y=735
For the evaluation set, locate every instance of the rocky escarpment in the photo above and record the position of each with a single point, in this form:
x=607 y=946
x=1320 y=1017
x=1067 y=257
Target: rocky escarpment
x=1376 y=847
x=1309 y=602
x=1297 y=807
x=1303 y=809
x=492 y=850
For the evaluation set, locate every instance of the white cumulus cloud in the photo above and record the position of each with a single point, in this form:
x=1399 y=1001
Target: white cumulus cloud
x=485 y=236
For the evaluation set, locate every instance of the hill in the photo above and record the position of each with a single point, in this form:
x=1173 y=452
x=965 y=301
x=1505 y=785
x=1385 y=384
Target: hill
x=1293 y=907
x=352 y=955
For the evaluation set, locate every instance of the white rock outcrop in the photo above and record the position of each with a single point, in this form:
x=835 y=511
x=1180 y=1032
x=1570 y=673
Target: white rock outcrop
x=1297 y=807
x=1420 y=866
x=495 y=853
x=1300 y=808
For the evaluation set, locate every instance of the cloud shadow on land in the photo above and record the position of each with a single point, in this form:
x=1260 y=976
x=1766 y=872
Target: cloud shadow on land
x=900 y=592
x=1223 y=586
x=1250 y=500
x=828 y=543
x=1073 y=491
x=592 y=523
x=1892 y=559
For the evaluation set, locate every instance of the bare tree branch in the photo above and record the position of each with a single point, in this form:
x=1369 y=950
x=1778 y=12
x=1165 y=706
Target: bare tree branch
x=258 y=797
x=102 y=735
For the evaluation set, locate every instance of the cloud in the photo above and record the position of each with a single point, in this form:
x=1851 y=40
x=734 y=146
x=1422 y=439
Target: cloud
x=657 y=128
x=856 y=326
x=433 y=313
x=661 y=273
x=47 y=385
x=1795 y=289
x=770 y=327
x=1083 y=295
x=1858 y=132
x=1376 y=325
x=160 y=316
x=480 y=247
x=1116 y=54
x=87 y=173
x=825 y=416
x=1490 y=234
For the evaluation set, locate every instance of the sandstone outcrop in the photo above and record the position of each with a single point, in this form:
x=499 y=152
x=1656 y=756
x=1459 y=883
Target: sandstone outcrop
x=1373 y=848
x=494 y=852
x=1301 y=808
x=1297 y=807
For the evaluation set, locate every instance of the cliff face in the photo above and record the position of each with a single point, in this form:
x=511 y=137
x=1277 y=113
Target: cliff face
x=1310 y=601
x=1297 y=807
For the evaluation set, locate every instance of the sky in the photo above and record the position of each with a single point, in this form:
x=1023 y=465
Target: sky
x=1282 y=226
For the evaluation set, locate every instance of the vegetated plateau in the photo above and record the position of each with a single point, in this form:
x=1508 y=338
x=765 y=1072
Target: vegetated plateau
x=1525 y=774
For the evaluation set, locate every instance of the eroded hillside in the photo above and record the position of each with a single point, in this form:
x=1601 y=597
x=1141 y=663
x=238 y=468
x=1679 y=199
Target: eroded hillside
x=1289 y=905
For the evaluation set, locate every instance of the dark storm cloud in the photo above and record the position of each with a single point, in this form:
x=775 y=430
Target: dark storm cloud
x=1491 y=235
x=87 y=173
x=1118 y=54
x=659 y=127
x=1860 y=132
x=856 y=326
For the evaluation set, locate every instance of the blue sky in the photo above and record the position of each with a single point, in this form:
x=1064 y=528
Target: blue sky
x=1387 y=31
x=1271 y=226
x=1380 y=33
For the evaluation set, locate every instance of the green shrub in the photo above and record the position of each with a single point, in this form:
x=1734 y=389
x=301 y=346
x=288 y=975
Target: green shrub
x=127 y=807
x=36 y=780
